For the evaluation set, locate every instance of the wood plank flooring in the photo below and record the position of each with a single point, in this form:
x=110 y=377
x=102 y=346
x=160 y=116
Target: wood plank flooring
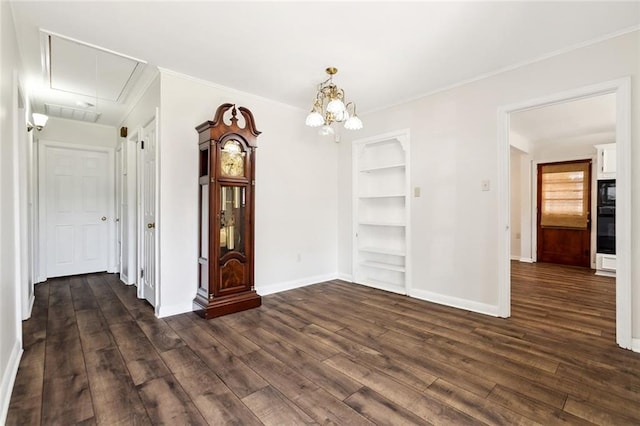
x=332 y=353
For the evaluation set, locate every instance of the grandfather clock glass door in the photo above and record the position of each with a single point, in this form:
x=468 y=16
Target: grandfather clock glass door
x=232 y=238
x=227 y=179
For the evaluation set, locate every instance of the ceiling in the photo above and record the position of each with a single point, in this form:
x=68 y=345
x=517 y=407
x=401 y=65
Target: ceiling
x=576 y=122
x=386 y=52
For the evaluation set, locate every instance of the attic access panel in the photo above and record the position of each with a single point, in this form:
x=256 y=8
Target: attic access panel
x=82 y=69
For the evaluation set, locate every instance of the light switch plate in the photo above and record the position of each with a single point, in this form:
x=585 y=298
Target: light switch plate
x=485 y=185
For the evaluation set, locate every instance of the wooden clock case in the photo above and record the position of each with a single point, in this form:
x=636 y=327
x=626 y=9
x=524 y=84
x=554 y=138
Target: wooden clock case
x=227 y=214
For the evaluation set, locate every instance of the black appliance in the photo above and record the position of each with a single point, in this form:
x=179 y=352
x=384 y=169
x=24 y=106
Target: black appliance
x=606 y=217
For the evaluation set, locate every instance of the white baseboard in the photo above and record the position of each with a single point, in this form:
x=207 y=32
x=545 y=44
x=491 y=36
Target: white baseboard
x=8 y=380
x=32 y=300
x=264 y=290
x=167 y=311
x=515 y=257
x=525 y=260
x=126 y=280
x=345 y=277
x=469 y=305
x=635 y=345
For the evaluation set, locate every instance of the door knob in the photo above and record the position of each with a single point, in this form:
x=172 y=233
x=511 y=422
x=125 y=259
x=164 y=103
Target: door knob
x=103 y=218
x=151 y=225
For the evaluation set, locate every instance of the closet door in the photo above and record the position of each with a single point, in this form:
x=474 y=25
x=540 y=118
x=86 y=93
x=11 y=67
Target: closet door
x=381 y=213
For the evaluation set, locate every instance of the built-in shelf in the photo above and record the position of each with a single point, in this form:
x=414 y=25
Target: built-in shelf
x=380 y=265
x=380 y=168
x=395 y=287
x=381 y=207
x=382 y=196
x=378 y=223
x=382 y=250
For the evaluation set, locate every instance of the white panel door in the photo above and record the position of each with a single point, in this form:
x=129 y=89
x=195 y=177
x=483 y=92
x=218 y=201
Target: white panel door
x=77 y=205
x=149 y=213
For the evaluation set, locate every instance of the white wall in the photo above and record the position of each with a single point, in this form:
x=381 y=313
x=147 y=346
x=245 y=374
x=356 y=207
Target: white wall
x=78 y=132
x=296 y=196
x=455 y=147
x=527 y=217
x=10 y=300
x=516 y=202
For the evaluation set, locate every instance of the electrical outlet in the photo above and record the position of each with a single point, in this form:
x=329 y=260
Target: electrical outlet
x=485 y=185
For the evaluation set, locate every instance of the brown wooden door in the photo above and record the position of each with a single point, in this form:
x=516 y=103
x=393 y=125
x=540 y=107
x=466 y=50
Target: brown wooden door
x=564 y=216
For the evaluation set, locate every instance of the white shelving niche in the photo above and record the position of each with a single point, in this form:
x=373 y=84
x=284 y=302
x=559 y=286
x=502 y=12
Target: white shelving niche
x=381 y=212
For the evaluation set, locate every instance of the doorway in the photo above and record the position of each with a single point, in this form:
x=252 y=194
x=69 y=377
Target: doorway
x=621 y=89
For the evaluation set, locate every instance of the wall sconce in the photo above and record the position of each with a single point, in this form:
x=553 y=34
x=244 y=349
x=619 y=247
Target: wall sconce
x=39 y=121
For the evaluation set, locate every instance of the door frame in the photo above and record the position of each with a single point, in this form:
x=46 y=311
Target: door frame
x=622 y=88
x=43 y=145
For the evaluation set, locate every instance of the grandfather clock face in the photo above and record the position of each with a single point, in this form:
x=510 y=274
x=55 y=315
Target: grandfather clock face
x=232 y=159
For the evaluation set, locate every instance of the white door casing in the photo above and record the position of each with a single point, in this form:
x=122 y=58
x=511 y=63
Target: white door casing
x=622 y=89
x=119 y=195
x=76 y=187
x=148 y=212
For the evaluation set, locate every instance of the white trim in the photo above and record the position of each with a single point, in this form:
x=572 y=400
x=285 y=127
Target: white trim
x=42 y=205
x=9 y=379
x=46 y=32
x=167 y=311
x=345 y=277
x=635 y=345
x=126 y=280
x=455 y=302
x=158 y=215
x=526 y=260
x=515 y=257
x=264 y=290
x=622 y=88
x=508 y=68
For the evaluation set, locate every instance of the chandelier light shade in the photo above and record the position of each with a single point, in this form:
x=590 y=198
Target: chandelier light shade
x=330 y=106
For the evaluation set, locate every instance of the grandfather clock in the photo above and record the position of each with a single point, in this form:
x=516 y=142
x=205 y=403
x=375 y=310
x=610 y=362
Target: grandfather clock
x=227 y=179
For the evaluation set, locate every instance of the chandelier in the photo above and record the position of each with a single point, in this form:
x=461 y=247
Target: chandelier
x=329 y=106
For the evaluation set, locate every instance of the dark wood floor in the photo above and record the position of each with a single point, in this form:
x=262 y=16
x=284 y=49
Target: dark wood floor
x=329 y=353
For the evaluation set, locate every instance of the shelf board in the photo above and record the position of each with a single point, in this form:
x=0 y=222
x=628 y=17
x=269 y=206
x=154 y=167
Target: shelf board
x=376 y=223
x=381 y=250
x=379 y=168
x=385 y=266
x=383 y=285
x=383 y=196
